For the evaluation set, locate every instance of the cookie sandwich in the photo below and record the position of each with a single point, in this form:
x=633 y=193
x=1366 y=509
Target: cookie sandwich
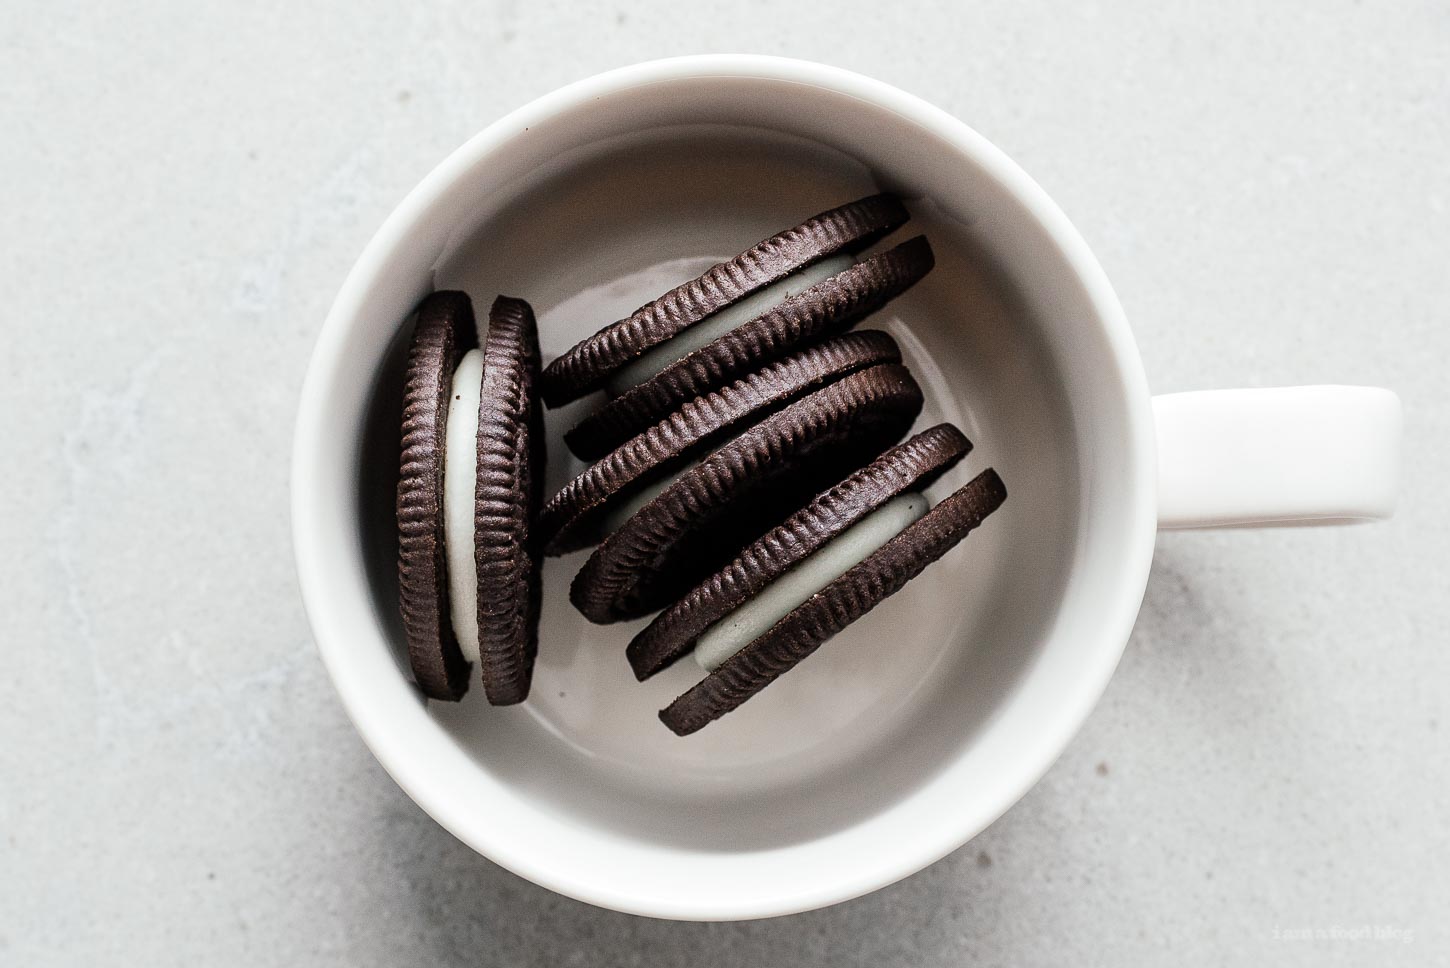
x=789 y=291
x=823 y=568
x=471 y=469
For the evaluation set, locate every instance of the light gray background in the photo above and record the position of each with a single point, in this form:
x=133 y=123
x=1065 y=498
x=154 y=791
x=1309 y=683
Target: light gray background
x=183 y=188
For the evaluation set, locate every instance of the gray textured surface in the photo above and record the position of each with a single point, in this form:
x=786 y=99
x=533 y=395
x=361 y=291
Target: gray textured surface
x=183 y=189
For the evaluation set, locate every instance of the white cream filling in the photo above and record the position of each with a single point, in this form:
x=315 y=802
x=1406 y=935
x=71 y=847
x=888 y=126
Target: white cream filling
x=460 y=472
x=714 y=326
x=792 y=589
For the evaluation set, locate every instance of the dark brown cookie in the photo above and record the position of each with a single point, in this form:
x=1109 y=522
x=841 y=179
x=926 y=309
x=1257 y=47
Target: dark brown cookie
x=742 y=490
x=826 y=308
x=837 y=605
x=851 y=228
x=909 y=466
x=443 y=331
x=510 y=463
x=569 y=520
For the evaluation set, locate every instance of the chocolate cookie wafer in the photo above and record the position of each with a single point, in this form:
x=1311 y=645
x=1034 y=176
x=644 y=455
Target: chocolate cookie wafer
x=828 y=307
x=841 y=601
x=509 y=469
x=443 y=331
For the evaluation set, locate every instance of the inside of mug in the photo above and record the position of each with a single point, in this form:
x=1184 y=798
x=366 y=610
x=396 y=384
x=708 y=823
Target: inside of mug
x=609 y=204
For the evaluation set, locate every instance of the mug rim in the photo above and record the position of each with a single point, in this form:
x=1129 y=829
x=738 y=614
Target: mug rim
x=1117 y=619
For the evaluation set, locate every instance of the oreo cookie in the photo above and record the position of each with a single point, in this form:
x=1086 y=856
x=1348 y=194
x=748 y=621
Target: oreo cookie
x=816 y=573
x=633 y=351
x=711 y=509
x=827 y=307
x=471 y=467
x=910 y=466
x=612 y=489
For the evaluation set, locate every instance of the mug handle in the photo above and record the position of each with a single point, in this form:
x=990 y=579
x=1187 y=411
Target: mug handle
x=1279 y=456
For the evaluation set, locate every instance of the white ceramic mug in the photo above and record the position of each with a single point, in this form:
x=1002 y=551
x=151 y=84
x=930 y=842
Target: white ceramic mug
x=908 y=734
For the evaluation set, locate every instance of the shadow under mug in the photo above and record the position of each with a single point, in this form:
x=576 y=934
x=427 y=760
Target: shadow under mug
x=908 y=734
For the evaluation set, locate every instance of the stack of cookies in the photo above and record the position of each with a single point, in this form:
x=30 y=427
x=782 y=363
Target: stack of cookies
x=748 y=484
